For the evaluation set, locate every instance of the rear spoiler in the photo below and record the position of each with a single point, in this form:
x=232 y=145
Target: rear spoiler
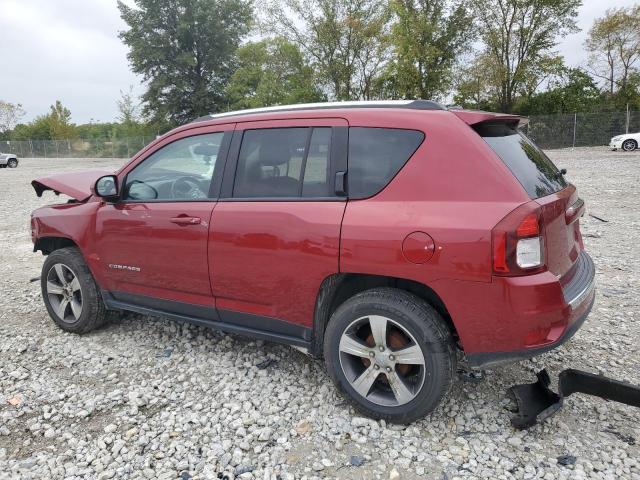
x=474 y=117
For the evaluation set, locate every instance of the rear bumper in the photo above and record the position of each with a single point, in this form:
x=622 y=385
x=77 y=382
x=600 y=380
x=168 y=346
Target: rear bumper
x=521 y=317
x=486 y=359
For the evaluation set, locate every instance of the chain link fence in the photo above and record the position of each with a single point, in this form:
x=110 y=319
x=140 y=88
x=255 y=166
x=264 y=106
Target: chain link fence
x=548 y=131
x=76 y=147
x=580 y=129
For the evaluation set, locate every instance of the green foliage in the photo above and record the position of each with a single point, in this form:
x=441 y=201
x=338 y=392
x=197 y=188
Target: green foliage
x=10 y=115
x=475 y=89
x=56 y=124
x=574 y=91
x=184 y=50
x=427 y=38
x=519 y=36
x=345 y=41
x=271 y=72
x=614 y=43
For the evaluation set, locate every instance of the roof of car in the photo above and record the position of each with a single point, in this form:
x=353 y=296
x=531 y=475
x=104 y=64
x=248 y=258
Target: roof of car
x=408 y=104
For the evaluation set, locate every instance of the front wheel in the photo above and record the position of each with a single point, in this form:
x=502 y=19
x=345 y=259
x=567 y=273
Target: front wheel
x=390 y=353
x=12 y=163
x=70 y=292
x=629 y=145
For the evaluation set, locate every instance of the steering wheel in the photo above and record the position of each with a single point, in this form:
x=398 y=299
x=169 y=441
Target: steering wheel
x=187 y=187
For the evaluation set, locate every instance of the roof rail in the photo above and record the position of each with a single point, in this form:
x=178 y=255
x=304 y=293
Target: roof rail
x=408 y=104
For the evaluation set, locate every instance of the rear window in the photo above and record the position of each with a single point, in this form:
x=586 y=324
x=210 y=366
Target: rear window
x=376 y=155
x=533 y=169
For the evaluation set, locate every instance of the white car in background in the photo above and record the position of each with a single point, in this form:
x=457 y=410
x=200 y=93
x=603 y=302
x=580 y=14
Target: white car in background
x=628 y=142
x=8 y=160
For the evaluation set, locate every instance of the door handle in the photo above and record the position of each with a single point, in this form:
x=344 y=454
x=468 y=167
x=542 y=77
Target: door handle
x=186 y=220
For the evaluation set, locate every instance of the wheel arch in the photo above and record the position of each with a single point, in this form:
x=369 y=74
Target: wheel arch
x=339 y=287
x=49 y=244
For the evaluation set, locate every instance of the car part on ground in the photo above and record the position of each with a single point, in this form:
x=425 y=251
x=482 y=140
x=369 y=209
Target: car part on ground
x=536 y=401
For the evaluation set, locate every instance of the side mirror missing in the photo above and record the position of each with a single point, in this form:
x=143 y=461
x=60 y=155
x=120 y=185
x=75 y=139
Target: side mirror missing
x=107 y=187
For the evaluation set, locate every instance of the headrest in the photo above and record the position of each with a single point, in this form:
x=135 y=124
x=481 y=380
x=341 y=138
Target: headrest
x=206 y=149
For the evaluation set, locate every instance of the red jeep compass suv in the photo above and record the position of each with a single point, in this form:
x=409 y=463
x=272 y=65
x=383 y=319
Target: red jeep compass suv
x=384 y=236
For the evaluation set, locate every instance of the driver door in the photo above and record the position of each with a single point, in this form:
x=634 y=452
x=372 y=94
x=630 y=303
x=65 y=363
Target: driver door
x=152 y=244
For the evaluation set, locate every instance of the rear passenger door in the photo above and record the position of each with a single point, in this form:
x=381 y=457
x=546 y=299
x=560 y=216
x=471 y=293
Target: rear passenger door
x=275 y=233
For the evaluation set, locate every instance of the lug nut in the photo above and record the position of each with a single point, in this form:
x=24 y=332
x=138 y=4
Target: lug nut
x=372 y=354
x=376 y=366
x=381 y=348
x=392 y=358
x=389 y=369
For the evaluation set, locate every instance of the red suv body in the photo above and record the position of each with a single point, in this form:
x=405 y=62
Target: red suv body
x=265 y=222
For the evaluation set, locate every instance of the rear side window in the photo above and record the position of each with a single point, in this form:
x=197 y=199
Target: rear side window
x=533 y=169
x=376 y=155
x=283 y=162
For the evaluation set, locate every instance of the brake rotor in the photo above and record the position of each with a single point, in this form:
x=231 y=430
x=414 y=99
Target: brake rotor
x=395 y=340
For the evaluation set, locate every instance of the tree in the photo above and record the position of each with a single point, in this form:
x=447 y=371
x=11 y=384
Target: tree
x=60 y=121
x=573 y=91
x=475 y=88
x=184 y=50
x=271 y=72
x=614 y=43
x=345 y=41
x=127 y=107
x=53 y=126
x=519 y=35
x=427 y=37
x=10 y=115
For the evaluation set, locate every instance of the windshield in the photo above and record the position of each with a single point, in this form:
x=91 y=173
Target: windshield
x=533 y=169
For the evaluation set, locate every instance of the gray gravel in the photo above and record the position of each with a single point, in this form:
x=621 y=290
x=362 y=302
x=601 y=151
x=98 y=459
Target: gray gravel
x=149 y=398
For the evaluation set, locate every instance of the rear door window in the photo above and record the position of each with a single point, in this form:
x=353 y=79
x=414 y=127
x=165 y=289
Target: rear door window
x=533 y=169
x=376 y=155
x=283 y=162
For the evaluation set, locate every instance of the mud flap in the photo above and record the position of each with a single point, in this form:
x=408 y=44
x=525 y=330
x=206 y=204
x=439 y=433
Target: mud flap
x=536 y=401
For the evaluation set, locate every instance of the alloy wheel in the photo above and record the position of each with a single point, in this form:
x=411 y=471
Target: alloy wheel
x=382 y=361
x=64 y=293
x=629 y=145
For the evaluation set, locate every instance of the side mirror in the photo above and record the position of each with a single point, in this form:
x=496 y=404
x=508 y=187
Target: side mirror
x=107 y=187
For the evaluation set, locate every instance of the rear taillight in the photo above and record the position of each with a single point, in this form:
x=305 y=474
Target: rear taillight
x=518 y=242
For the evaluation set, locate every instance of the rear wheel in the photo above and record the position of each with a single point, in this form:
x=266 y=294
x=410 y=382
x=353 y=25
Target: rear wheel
x=629 y=145
x=390 y=354
x=70 y=293
x=12 y=163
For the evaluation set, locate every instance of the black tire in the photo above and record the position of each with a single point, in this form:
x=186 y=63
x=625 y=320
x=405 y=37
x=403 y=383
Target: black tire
x=629 y=145
x=93 y=313
x=423 y=323
x=12 y=163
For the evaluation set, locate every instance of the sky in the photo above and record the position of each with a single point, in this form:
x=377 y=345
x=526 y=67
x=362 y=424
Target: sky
x=69 y=50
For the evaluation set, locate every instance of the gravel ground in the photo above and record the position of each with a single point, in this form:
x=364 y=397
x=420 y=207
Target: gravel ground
x=150 y=398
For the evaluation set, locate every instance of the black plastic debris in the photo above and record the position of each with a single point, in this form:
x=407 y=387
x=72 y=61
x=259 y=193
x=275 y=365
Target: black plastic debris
x=598 y=218
x=471 y=376
x=265 y=363
x=565 y=460
x=537 y=402
x=628 y=439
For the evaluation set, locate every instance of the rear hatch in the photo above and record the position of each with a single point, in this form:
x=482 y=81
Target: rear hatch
x=560 y=206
